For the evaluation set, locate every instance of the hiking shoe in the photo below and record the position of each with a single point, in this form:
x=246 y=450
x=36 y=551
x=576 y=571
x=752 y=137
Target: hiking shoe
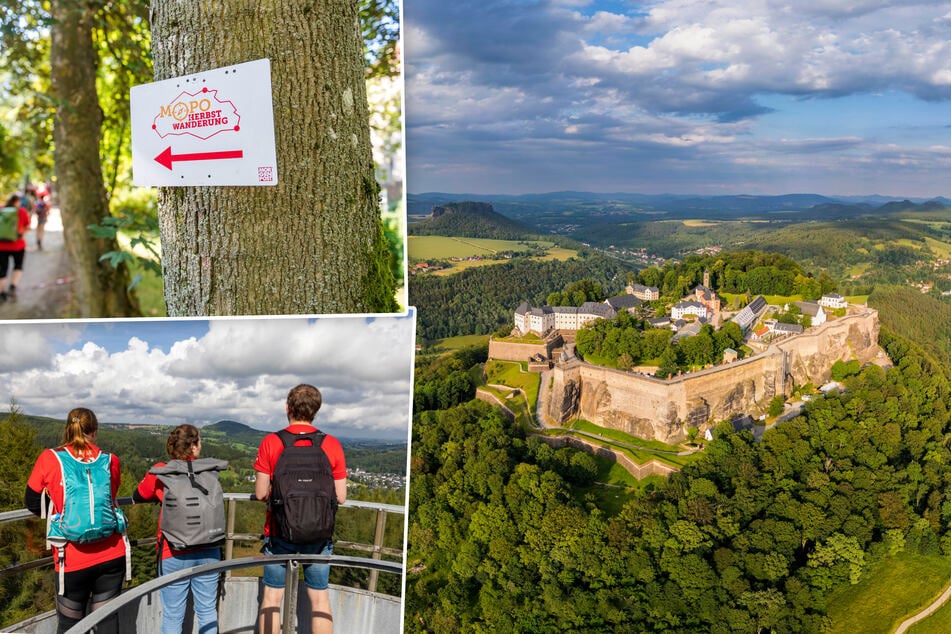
x=12 y=293
x=3 y=296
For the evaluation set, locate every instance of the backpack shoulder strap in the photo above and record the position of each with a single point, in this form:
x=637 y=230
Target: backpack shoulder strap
x=173 y=467
x=289 y=439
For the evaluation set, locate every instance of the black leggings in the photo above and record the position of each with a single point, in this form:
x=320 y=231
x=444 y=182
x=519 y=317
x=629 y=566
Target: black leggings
x=86 y=590
x=5 y=263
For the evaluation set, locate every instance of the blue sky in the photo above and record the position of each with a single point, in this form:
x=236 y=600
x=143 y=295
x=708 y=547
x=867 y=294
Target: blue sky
x=836 y=97
x=201 y=371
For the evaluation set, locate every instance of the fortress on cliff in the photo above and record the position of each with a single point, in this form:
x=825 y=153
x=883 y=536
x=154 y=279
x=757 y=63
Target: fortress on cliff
x=665 y=409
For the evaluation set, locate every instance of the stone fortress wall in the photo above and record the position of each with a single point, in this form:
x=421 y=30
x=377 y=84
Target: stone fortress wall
x=512 y=351
x=649 y=407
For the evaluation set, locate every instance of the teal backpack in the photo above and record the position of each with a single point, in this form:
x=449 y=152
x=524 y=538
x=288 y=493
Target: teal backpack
x=89 y=512
x=9 y=224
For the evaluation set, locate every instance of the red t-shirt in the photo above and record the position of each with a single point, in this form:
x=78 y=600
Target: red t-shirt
x=22 y=226
x=151 y=488
x=48 y=475
x=271 y=449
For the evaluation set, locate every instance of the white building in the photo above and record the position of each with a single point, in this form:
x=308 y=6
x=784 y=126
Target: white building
x=546 y=318
x=833 y=301
x=679 y=311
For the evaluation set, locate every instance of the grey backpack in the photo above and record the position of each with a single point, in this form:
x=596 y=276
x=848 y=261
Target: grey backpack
x=193 y=509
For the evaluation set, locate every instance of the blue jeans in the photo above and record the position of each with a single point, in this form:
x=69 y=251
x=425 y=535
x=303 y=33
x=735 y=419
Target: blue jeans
x=316 y=576
x=204 y=592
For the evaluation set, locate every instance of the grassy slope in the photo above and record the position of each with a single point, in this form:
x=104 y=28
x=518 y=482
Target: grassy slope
x=888 y=593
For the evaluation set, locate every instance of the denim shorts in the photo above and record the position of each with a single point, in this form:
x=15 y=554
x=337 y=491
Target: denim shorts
x=316 y=576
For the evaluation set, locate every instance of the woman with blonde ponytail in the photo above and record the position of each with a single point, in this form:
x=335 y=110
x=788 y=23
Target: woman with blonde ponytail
x=81 y=429
x=89 y=572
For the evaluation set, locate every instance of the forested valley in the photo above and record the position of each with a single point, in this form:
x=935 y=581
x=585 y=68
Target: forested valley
x=752 y=536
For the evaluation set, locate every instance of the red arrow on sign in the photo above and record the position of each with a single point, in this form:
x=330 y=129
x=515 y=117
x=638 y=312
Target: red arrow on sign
x=166 y=158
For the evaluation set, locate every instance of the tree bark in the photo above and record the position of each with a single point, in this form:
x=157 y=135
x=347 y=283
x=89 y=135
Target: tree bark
x=313 y=243
x=102 y=290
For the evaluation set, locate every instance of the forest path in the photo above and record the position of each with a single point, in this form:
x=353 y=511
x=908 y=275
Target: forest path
x=45 y=290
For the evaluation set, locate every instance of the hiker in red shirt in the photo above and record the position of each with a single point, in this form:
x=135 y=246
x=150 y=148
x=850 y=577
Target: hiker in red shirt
x=15 y=248
x=91 y=570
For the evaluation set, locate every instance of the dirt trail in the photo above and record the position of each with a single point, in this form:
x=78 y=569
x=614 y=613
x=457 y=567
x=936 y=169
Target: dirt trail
x=45 y=290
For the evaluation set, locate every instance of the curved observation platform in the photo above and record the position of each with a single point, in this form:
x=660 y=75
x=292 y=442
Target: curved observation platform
x=355 y=610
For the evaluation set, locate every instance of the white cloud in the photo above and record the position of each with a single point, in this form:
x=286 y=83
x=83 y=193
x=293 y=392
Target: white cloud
x=241 y=369
x=492 y=88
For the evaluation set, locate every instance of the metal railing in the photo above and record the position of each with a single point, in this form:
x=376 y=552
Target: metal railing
x=376 y=550
x=290 y=596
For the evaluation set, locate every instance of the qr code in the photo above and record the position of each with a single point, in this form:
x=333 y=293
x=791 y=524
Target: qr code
x=265 y=174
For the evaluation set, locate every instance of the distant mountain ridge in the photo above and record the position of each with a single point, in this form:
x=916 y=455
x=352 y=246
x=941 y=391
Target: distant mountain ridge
x=470 y=220
x=525 y=207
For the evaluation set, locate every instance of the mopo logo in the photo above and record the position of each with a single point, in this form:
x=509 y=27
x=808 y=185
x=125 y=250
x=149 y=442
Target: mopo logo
x=200 y=114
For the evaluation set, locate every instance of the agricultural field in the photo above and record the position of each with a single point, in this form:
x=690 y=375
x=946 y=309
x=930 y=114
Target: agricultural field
x=487 y=250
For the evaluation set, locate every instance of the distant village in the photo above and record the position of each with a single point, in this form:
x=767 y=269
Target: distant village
x=373 y=480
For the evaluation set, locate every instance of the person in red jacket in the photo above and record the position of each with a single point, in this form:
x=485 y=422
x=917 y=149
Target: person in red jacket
x=184 y=443
x=94 y=571
x=15 y=249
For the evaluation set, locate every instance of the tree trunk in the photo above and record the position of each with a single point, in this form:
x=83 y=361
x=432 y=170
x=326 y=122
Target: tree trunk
x=314 y=243
x=101 y=289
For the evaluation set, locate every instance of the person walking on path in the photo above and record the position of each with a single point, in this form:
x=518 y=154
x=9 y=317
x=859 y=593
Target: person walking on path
x=15 y=249
x=94 y=570
x=42 y=210
x=303 y=401
x=184 y=443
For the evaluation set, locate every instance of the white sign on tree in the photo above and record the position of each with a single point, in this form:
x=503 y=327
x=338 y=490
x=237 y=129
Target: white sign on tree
x=211 y=128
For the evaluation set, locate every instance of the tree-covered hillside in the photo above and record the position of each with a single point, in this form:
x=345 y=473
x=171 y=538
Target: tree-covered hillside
x=919 y=317
x=469 y=220
x=751 y=537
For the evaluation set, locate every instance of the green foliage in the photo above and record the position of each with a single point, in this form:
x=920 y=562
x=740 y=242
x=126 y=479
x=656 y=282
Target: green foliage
x=577 y=293
x=9 y=160
x=393 y=232
x=380 y=22
x=776 y=405
x=18 y=452
x=444 y=381
x=842 y=370
x=919 y=318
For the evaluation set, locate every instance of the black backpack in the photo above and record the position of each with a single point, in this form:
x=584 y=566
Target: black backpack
x=303 y=499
